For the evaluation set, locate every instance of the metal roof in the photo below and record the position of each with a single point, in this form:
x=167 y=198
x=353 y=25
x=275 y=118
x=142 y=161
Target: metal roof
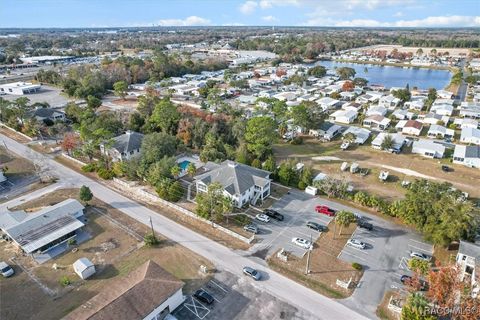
x=46 y=225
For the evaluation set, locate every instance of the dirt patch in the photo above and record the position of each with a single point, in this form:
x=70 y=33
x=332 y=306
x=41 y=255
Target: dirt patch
x=325 y=267
x=408 y=167
x=15 y=166
x=13 y=135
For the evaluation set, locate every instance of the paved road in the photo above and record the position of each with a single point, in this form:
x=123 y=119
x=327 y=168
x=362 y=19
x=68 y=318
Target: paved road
x=223 y=257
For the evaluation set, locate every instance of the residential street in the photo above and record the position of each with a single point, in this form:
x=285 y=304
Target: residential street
x=285 y=289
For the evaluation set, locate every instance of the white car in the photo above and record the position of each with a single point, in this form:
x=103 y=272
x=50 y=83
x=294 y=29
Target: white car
x=262 y=217
x=356 y=244
x=419 y=255
x=6 y=270
x=345 y=145
x=305 y=244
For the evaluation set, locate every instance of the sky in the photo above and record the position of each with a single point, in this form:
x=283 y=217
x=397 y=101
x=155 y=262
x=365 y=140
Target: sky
x=340 y=13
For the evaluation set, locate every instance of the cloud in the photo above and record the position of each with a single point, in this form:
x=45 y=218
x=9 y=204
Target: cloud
x=189 y=21
x=248 y=7
x=269 y=18
x=441 y=21
x=267 y=4
x=398 y=14
x=428 y=22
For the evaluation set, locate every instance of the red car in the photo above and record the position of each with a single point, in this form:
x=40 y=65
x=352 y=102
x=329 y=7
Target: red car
x=325 y=210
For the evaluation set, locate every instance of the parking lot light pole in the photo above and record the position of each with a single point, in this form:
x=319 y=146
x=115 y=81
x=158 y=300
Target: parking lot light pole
x=307 y=267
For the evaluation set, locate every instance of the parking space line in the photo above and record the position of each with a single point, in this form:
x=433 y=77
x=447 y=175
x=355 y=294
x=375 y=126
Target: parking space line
x=420 y=249
x=221 y=288
x=195 y=303
x=359 y=250
x=353 y=255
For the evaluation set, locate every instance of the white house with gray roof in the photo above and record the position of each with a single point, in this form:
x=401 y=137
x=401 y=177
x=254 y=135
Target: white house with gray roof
x=467 y=155
x=241 y=183
x=44 y=229
x=125 y=146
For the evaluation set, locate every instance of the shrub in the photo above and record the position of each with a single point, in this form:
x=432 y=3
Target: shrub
x=105 y=173
x=242 y=220
x=297 y=141
x=357 y=266
x=91 y=167
x=150 y=240
x=65 y=281
x=72 y=242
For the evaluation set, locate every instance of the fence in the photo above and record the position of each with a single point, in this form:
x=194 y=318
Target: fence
x=145 y=194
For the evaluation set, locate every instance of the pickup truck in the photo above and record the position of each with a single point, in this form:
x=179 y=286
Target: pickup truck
x=325 y=210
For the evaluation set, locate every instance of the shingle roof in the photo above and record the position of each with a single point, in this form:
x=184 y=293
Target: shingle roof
x=129 y=141
x=235 y=178
x=472 y=151
x=470 y=249
x=132 y=297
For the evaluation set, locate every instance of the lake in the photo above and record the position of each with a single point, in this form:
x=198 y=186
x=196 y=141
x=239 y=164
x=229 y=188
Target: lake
x=396 y=76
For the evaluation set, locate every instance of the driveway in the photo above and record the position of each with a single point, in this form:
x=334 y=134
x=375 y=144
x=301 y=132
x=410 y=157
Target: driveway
x=224 y=258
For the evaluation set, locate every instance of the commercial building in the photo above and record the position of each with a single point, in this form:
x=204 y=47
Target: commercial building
x=19 y=88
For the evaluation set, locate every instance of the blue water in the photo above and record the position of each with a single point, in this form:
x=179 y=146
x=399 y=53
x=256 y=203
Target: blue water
x=184 y=164
x=389 y=76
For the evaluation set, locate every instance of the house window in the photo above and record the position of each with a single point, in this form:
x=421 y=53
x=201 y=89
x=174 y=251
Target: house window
x=458 y=159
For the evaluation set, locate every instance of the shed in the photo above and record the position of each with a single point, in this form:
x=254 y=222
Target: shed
x=84 y=268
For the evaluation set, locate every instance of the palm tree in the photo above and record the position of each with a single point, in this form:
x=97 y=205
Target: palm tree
x=387 y=142
x=175 y=171
x=191 y=169
x=344 y=218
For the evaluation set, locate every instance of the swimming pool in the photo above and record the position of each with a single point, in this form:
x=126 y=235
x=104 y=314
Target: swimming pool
x=184 y=164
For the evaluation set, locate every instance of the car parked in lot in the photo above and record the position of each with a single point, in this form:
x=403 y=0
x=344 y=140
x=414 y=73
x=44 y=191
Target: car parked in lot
x=273 y=214
x=407 y=280
x=6 y=270
x=262 y=217
x=305 y=244
x=203 y=296
x=419 y=255
x=356 y=244
x=325 y=210
x=316 y=226
x=364 y=225
x=251 y=228
x=252 y=273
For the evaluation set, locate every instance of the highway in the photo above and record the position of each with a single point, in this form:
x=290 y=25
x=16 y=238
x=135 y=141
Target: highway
x=223 y=258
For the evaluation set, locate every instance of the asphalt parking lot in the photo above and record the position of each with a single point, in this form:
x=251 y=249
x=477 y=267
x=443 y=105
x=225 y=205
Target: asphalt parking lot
x=237 y=298
x=385 y=258
x=297 y=208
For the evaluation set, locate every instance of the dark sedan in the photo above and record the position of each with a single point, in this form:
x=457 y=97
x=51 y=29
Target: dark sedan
x=316 y=226
x=203 y=296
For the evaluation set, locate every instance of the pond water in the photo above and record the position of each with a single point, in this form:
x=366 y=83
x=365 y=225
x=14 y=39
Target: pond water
x=389 y=76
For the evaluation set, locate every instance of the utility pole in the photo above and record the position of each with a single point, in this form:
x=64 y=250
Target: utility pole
x=151 y=225
x=307 y=267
